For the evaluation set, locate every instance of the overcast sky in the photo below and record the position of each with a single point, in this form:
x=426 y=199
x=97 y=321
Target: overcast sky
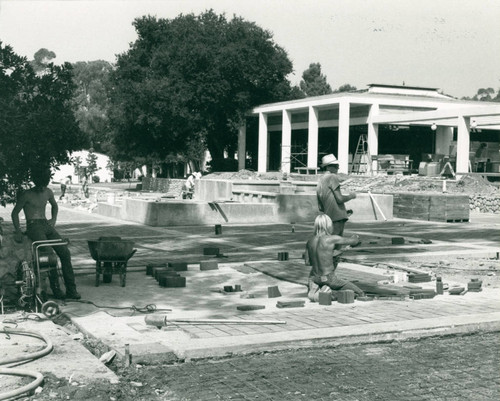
x=453 y=45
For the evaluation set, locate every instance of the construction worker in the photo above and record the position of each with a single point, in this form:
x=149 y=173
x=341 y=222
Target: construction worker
x=330 y=199
x=322 y=256
x=38 y=228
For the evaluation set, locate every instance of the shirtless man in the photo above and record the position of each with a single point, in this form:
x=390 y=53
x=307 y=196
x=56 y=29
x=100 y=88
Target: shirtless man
x=322 y=256
x=33 y=203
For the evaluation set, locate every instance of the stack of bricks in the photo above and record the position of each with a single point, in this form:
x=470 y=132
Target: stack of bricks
x=419 y=277
x=167 y=274
x=474 y=285
x=431 y=207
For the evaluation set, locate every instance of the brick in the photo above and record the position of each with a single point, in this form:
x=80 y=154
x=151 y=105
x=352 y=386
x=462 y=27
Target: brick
x=345 y=296
x=273 y=292
x=157 y=272
x=290 y=304
x=250 y=307
x=151 y=266
x=398 y=241
x=211 y=251
x=209 y=265
x=172 y=281
x=179 y=266
x=325 y=298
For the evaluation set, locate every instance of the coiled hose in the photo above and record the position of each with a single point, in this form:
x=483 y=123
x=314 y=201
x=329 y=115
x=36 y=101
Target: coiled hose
x=10 y=362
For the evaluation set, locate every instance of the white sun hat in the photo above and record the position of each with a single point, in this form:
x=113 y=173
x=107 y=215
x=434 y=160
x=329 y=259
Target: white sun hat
x=328 y=159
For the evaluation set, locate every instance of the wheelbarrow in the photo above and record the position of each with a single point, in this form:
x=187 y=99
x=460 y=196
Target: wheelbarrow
x=111 y=255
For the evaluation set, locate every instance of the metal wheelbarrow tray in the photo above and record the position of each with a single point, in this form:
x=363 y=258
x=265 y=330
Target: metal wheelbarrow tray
x=111 y=255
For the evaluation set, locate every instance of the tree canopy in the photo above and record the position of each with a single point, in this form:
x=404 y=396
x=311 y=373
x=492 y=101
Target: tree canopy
x=313 y=82
x=189 y=81
x=37 y=125
x=91 y=101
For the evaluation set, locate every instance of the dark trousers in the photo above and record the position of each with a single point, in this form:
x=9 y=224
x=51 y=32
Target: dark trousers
x=39 y=230
x=63 y=191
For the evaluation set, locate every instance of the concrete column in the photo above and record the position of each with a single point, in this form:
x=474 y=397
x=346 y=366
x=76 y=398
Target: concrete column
x=343 y=156
x=463 y=145
x=444 y=137
x=286 y=142
x=373 y=134
x=242 y=148
x=312 y=144
x=262 y=158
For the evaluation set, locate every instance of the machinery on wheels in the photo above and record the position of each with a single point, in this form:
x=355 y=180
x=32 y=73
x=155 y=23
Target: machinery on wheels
x=111 y=255
x=32 y=277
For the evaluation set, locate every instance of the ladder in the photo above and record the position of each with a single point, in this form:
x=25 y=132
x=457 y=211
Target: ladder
x=362 y=156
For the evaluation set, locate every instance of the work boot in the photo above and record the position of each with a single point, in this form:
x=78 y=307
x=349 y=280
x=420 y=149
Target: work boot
x=72 y=293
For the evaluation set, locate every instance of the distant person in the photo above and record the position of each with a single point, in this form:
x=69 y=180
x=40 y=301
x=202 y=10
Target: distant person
x=188 y=187
x=330 y=199
x=38 y=228
x=64 y=186
x=85 y=185
x=322 y=256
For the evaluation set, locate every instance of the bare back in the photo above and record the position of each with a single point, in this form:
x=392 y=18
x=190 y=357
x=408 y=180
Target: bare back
x=320 y=250
x=34 y=202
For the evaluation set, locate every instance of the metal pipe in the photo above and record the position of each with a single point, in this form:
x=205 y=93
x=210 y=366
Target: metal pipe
x=161 y=320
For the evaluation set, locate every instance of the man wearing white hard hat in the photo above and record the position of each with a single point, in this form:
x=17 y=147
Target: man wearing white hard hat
x=330 y=199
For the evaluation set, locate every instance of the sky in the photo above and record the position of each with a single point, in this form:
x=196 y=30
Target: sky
x=453 y=45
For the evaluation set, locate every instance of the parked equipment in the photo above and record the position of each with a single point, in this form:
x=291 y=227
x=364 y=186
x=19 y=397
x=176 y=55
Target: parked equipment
x=31 y=276
x=111 y=255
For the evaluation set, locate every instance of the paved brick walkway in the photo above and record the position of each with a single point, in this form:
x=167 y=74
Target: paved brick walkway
x=313 y=323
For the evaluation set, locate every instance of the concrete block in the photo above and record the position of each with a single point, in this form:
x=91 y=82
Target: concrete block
x=325 y=298
x=345 y=296
x=228 y=288
x=237 y=288
x=273 y=292
x=398 y=241
x=282 y=256
x=209 y=265
x=218 y=229
x=211 y=251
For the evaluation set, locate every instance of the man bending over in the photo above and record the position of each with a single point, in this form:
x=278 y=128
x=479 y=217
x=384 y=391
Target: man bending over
x=323 y=257
x=38 y=228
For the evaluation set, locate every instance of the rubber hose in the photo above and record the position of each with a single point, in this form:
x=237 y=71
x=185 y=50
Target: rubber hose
x=24 y=389
x=28 y=357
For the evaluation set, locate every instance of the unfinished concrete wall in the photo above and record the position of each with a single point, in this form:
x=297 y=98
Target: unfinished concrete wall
x=180 y=213
x=304 y=207
x=210 y=190
x=431 y=206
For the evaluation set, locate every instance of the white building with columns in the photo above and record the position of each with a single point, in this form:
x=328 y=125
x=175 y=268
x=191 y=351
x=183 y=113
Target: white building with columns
x=403 y=118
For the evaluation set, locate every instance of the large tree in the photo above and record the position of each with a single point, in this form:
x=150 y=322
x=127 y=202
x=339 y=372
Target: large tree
x=91 y=101
x=314 y=82
x=190 y=80
x=37 y=125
